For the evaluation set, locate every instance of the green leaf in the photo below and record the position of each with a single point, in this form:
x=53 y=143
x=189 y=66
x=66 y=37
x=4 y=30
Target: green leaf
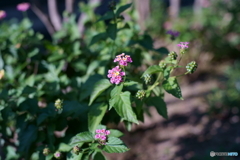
x=115 y=148
x=159 y=104
x=153 y=69
x=162 y=50
x=63 y=147
x=28 y=90
x=41 y=118
x=106 y=16
x=99 y=156
x=115 y=133
x=27 y=137
x=114 y=93
x=85 y=137
x=95 y=116
x=123 y=8
x=73 y=156
x=114 y=140
x=139 y=109
x=171 y=86
x=99 y=87
x=123 y=107
x=30 y=105
x=167 y=72
x=130 y=83
x=112 y=31
x=98 y=37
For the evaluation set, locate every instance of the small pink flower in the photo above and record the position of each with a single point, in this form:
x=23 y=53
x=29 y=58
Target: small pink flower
x=103 y=137
x=2 y=14
x=115 y=75
x=183 y=45
x=98 y=131
x=97 y=136
x=57 y=154
x=23 y=6
x=123 y=59
x=107 y=132
x=103 y=131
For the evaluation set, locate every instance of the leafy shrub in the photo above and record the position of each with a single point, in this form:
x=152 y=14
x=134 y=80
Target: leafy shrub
x=56 y=95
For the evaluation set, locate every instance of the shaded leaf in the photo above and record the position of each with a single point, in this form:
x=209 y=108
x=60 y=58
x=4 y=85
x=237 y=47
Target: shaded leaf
x=159 y=104
x=153 y=69
x=112 y=31
x=123 y=8
x=171 y=86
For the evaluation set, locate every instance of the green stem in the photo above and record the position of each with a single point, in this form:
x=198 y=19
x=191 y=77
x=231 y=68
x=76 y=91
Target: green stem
x=156 y=82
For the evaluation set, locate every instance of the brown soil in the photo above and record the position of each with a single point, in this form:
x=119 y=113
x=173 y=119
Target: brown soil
x=189 y=133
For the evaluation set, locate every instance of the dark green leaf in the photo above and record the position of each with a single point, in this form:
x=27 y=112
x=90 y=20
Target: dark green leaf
x=171 y=86
x=123 y=8
x=112 y=31
x=28 y=90
x=98 y=37
x=99 y=87
x=30 y=105
x=106 y=16
x=99 y=156
x=159 y=104
x=41 y=118
x=123 y=107
x=95 y=116
x=153 y=69
x=162 y=50
x=73 y=156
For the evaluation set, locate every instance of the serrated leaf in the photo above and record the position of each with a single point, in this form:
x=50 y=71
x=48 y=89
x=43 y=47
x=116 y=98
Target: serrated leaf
x=114 y=140
x=153 y=69
x=84 y=137
x=171 y=86
x=115 y=133
x=123 y=107
x=95 y=116
x=115 y=148
x=112 y=31
x=159 y=104
x=123 y=8
x=99 y=87
x=114 y=93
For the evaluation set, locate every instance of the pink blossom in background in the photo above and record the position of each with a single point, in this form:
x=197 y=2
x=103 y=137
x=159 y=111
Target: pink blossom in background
x=183 y=45
x=107 y=132
x=115 y=75
x=23 y=6
x=2 y=14
x=123 y=59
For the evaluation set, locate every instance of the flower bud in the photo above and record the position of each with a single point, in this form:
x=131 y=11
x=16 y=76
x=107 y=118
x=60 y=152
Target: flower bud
x=191 y=67
x=57 y=155
x=147 y=78
x=140 y=94
x=172 y=55
x=58 y=104
x=46 y=151
x=76 y=149
x=162 y=64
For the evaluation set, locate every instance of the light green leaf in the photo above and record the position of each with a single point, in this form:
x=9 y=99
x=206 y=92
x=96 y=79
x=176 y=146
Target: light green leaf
x=115 y=133
x=114 y=93
x=115 y=148
x=84 y=137
x=64 y=147
x=130 y=83
x=171 y=86
x=106 y=16
x=123 y=107
x=99 y=87
x=95 y=116
x=114 y=140
x=153 y=69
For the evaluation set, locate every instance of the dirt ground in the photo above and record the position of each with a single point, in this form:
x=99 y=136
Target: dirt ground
x=189 y=133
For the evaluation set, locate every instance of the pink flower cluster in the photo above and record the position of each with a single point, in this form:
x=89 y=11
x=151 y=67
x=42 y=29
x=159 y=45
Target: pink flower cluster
x=115 y=75
x=123 y=59
x=23 y=6
x=101 y=135
x=2 y=14
x=183 y=45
